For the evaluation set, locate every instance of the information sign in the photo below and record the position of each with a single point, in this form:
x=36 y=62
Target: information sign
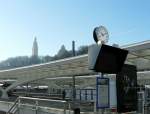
x=102 y=93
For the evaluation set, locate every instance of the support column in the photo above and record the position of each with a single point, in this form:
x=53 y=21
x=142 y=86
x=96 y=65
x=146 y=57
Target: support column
x=4 y=93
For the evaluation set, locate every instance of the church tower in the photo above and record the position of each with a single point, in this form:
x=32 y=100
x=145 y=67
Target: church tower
x=35 y=48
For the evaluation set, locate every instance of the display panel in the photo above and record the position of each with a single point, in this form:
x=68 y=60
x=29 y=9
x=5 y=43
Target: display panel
x=126 y=83
x=102 y=92
x=106 y=59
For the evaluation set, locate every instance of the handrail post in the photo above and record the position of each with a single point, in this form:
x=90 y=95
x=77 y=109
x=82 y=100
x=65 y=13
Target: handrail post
x=65 y=106
x=19 y=105
x=69 y=106
x=36 y=106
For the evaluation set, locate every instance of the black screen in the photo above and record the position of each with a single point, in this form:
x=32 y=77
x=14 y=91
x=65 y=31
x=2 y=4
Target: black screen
x=126 y=82
x=110 y=59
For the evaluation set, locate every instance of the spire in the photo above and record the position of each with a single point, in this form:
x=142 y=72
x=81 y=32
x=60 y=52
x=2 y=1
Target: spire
x=35 y=48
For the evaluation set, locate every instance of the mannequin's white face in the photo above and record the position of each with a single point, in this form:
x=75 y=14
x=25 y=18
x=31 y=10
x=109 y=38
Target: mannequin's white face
x=102 y=35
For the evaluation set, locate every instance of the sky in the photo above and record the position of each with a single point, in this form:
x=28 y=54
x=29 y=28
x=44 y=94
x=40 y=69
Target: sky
x=59 y=22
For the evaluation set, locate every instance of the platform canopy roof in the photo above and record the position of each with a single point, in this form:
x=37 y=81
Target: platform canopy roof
x=139 y=55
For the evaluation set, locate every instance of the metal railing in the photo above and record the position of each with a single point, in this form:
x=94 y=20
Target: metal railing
x=14 y=107
x=34 y=104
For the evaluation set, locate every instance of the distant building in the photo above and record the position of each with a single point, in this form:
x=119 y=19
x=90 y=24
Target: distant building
x=35 y=48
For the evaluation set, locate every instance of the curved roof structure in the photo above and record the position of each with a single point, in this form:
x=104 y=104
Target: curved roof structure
x=139 y=55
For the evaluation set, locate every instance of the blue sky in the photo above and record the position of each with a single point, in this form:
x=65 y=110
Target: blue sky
x=58 y=22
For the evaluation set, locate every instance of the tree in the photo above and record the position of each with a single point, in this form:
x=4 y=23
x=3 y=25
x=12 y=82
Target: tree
x=82 y=50
x=35 y=60
x=21 y=61
x=47 y=58
x=62 y=53
x=14 y=62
